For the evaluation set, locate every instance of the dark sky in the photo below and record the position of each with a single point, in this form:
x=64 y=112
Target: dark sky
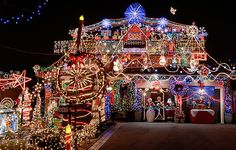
x=61 y=16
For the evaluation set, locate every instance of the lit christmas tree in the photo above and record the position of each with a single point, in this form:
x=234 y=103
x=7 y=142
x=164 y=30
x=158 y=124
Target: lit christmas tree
x=37 y=108
x=26 y=105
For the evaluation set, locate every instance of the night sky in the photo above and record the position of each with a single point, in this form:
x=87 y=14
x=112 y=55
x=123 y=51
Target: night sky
x=59 y=17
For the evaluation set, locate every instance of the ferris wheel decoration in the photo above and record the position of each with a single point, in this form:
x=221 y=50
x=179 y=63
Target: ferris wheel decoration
x=83 y=79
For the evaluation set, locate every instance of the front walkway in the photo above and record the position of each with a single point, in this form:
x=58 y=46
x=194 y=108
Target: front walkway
x=169 y=136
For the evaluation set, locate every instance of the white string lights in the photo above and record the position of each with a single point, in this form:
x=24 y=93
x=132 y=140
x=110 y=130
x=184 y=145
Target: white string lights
x=184 y=50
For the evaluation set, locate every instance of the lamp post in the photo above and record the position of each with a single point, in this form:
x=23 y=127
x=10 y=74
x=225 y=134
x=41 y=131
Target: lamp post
x=75 y=124
x=144 y=106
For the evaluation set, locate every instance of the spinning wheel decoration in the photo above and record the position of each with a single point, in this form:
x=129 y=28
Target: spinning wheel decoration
x=83 y=79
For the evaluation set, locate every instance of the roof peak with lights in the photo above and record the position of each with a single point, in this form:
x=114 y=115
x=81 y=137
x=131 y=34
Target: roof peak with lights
x=152 y=38
x=135 y=13
x=137 y=43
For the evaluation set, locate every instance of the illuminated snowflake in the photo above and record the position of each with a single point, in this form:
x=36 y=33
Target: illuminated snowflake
x=163 y=22
x=202 y=32
x=106 y=23
x=135 y=13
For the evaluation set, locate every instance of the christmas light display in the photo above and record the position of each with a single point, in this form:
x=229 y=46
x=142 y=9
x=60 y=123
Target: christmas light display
x=8 y=119
x=124 y=97
x=27 y=16
x=18 y=102
x=74 y=88
x=14 y=80
x=135 y=13
x=83 y=80
x=25 y=105
x=37 y=108
x=106 y=23
x=125 y=65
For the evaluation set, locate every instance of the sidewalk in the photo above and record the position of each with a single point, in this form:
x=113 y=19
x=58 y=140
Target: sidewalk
x=97 y=145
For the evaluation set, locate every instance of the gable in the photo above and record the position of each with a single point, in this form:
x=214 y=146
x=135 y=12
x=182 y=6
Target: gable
x=134 y=38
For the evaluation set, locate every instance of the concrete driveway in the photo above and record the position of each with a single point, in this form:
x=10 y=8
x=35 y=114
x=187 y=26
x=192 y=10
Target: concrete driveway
x=172 y=136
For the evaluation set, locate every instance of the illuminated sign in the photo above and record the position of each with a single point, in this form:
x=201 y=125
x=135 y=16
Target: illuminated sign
x=199 y=56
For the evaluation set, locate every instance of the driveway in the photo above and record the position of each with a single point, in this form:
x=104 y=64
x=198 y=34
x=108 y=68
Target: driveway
x=171 y=136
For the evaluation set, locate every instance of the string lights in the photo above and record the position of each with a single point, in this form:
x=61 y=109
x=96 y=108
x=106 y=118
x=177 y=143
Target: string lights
x=129 y=58
x=25 y=17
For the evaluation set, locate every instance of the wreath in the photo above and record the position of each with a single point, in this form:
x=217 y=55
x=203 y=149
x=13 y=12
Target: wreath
x=178 y=88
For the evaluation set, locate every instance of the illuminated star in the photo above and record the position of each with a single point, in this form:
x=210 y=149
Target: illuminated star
x=20 y=80
x=172 y=10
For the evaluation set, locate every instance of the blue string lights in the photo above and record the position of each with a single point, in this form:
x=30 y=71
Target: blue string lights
x=16 y=19
x=135 y=13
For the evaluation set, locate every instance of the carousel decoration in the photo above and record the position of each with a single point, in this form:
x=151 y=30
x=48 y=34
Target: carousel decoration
x=75 y=84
